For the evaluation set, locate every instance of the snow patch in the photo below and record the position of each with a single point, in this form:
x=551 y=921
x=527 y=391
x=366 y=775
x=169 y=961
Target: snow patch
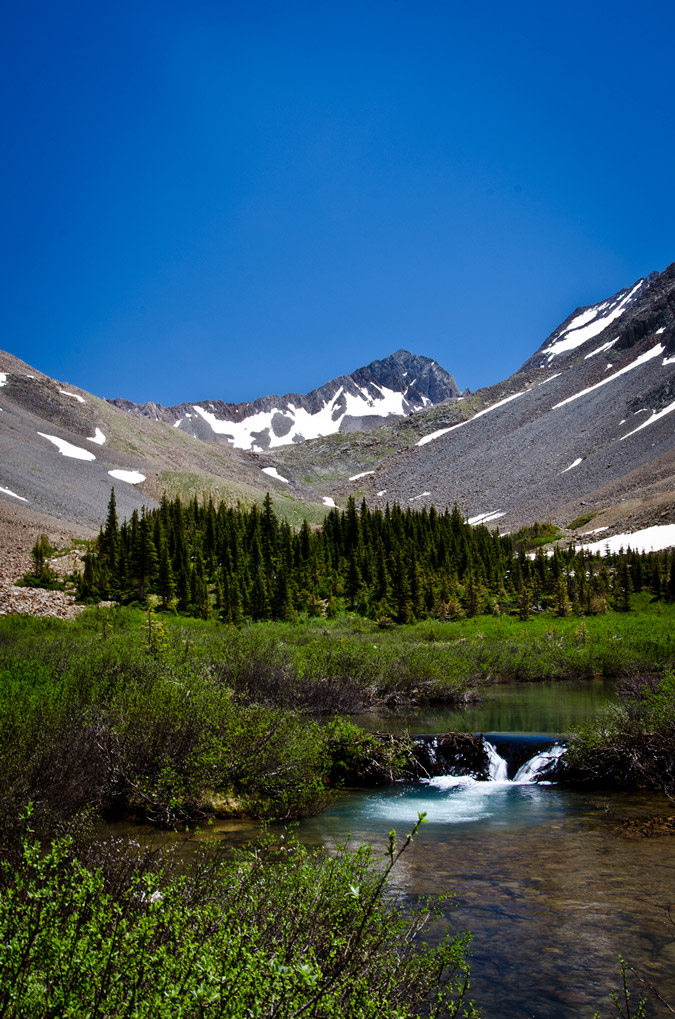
x=550 y=379
x=589 y=325
x=649 y=539
x=75 y=396
x=327 y=501
x=3 y=379
x=355 y=477
x=599 y=350
x=596 y=530
x=243 y=434
x=382 y=492
x=98 y=437
x=668 y=360
x=584 y=317
x=272 y=472
x=132 y=477
x=575 y=464
x=656 y=415
x=486 y=410
x=420 y=496
x=484 y=518
x=8 y=491
x=642 y=359
x=68 y=449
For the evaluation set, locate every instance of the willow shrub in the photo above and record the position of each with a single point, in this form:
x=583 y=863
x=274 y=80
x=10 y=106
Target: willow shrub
x=630 y=745
x=249 y=937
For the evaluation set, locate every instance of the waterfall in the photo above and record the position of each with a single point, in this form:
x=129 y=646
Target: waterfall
x=497 y=766
x=529 y=772
x=457 y=775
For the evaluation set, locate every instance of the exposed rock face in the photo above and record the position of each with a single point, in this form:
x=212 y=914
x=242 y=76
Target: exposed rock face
x=585 y=427
x=398 y=385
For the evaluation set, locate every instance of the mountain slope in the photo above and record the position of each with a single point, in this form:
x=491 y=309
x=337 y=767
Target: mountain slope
x=61 y=450
x=587 y=422
x=393 y=387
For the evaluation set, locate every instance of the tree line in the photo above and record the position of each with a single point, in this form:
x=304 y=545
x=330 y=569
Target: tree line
x=391 y=564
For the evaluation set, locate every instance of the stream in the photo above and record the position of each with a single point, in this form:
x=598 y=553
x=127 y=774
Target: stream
x=546 y=878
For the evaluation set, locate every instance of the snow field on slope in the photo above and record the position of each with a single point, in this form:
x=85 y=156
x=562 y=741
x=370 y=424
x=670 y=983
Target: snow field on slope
x=656 y=416
x=306 y=425
x=642 y=359
x=8 y=491
x=131 y=477
x=572 y=338
x=272 y=472
x=649 y=539
x=68 y=449
x=484 y=518
x=486 y=410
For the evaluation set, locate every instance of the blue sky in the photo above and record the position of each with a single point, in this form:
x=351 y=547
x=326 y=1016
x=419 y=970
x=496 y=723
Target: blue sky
x=225 y=199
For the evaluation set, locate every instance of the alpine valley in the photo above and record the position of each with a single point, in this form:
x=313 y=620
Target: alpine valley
x=583 y=429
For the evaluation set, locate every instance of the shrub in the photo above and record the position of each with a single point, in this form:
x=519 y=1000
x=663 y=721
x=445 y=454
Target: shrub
x=274 y=934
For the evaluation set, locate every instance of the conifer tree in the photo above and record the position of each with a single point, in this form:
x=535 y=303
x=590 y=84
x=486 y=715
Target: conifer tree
x=166 y=585
x=144 y=561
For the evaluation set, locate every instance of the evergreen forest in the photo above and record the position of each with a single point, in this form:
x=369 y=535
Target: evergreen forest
x=394 y=565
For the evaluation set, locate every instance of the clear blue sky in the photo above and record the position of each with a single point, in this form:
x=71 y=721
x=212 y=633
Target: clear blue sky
x=223 y=199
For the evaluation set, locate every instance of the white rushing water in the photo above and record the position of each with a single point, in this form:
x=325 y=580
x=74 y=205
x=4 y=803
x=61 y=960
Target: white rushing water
x=461 y=799
x=531 y=770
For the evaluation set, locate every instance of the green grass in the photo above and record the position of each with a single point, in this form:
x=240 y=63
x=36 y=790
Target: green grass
x=581 y=521
x=191 y=484
x=170 y=718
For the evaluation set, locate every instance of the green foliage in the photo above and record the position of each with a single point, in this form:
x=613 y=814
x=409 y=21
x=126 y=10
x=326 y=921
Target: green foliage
x=581 y=521
x=631 y=745
x=399 y=566
x=535 y=535
x=42 y=575
x=239 y=938
x=171 y=719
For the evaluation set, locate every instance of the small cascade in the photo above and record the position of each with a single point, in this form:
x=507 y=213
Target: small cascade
x=497 y=766
x=462 y=771
x=530 y=771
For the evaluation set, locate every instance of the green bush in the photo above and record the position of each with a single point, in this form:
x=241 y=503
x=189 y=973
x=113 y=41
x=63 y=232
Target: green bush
x=631 y=745
x=275 y=934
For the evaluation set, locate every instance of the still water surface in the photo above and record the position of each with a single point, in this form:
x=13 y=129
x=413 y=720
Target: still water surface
x=550 y=708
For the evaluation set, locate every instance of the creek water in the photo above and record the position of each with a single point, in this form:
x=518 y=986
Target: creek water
x=545 y=878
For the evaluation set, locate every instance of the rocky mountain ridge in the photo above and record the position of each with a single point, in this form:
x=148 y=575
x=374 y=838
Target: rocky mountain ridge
x=395 y=386
x=585 y=425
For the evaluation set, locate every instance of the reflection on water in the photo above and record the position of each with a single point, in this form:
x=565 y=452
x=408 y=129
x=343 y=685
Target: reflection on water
x=551 y=708
x=551 y=889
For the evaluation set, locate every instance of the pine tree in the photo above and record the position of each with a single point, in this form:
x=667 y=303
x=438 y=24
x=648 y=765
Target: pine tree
x=166 y=585
x=144 y=560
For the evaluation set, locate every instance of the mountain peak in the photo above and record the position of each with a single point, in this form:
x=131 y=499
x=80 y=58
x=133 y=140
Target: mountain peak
x=395 y=386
